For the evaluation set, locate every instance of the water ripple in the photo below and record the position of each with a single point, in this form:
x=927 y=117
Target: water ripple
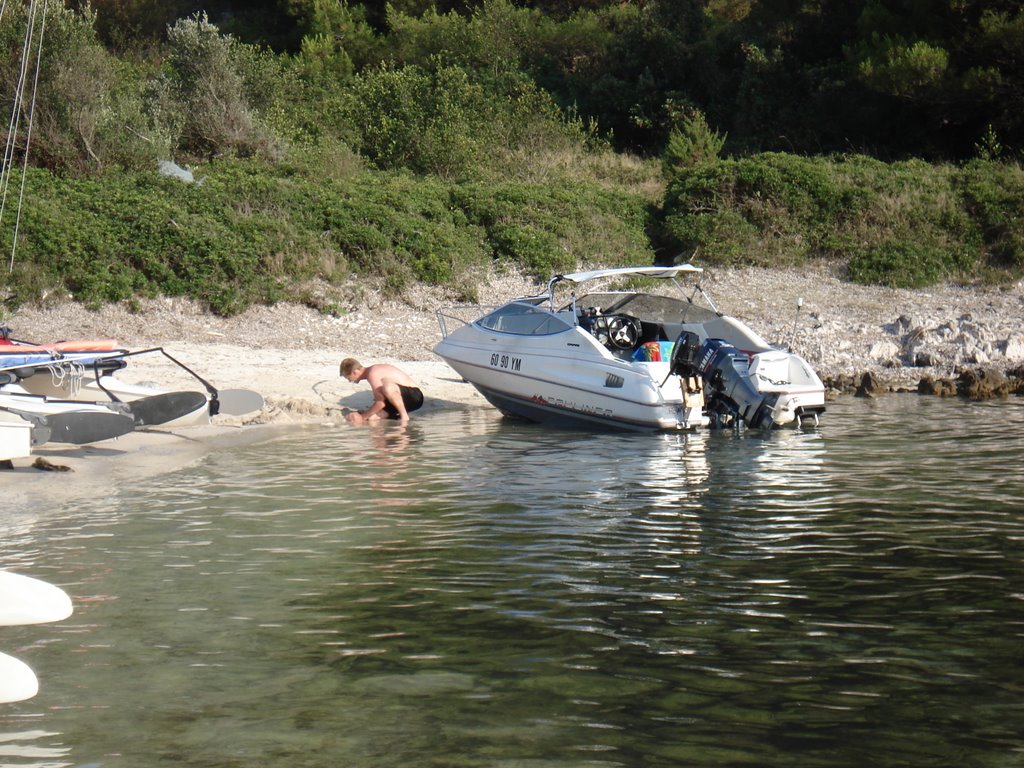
x=466 y=590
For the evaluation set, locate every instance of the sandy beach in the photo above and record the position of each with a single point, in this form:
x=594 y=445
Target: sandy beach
x=296 y=394
x=290 y=355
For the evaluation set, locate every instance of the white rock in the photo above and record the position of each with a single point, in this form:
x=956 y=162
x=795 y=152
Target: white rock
x=1015 y=348
x=883 y=350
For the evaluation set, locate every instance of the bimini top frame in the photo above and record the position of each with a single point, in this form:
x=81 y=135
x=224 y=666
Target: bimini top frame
x=662 y=273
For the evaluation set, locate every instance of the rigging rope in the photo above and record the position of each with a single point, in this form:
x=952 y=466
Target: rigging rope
x=28 y=134
x=13 y=127
x=16 y=112
x=69 y=372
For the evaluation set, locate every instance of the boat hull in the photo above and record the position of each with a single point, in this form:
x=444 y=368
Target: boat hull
x=61 y=421
x=556 y=413
x=15 y=440
x=628 y=359
x=43 y=384
x=580 y=387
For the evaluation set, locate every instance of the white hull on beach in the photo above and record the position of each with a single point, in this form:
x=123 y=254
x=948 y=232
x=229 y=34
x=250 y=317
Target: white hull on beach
x=112 y=390
x=626 y=359
x=15 y=439
x=38 y=382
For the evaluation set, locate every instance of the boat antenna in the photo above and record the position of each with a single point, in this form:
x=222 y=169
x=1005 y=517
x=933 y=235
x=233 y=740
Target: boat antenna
x=796 y=319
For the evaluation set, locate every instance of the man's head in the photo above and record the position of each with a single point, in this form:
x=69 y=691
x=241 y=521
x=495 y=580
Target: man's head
x=350 y=368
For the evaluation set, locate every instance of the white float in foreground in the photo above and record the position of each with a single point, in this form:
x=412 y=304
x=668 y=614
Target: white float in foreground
x=17 y=681
x=24 y=600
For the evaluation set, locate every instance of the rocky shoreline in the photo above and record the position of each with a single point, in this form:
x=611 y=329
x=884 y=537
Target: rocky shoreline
x=965 y=357
x=982 y=383
x=979 y=360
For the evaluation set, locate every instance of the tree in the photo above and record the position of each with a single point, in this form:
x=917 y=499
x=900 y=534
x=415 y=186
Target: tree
x=89 y=110
x=207 y=95
x=691 y=144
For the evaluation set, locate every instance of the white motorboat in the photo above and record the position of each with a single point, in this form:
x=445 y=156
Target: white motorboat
x=628 y=359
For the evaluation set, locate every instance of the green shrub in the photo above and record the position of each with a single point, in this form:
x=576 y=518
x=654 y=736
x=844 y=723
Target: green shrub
x=428 y=122
x=342 y=35
x=550 y=228
x=770 y=208
x=207 y=95
x=905 y=263
x=255 y=231
x=905 y=223
x=726 y=238
x=444 y=122
x=492 y=38
x=89 y=111
x=111 y=237
x=993 y=195
x=397 y=229
x=323 y=61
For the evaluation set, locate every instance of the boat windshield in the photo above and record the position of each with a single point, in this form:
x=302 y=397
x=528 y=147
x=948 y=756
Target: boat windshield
x=526 y=320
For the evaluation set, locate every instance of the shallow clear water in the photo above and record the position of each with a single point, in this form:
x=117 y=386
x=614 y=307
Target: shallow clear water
x=471 y=592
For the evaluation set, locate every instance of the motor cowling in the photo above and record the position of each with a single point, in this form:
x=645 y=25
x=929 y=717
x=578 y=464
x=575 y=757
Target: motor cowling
x=728 y=387
x=684 y=355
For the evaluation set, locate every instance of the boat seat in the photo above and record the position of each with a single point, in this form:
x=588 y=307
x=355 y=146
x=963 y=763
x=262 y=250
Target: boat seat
x=670 y=331
x=651 y=332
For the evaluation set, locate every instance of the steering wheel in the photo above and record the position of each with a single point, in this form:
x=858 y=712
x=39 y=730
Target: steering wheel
x=623 y=331
x=620 y=332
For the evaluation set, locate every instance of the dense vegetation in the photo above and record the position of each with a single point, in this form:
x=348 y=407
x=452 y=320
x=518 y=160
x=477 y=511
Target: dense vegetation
x=424 y=140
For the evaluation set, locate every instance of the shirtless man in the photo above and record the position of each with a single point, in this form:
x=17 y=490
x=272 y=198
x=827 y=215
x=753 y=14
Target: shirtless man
x=394 y=392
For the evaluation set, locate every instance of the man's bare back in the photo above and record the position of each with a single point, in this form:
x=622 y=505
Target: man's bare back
x=379 y=372
x=395 y=393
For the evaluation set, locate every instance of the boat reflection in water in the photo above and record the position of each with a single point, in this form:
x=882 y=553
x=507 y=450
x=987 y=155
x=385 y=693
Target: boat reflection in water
x=654 y=504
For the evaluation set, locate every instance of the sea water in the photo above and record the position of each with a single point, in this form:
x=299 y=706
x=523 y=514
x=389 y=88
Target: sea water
x=468 y=591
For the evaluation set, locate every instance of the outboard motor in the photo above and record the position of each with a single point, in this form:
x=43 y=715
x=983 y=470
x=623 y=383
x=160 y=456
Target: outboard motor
x=684 y=355
x=730 y=393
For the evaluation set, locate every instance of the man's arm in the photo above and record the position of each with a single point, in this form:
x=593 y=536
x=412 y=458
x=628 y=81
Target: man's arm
x=376 y=377
x=378 y=404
